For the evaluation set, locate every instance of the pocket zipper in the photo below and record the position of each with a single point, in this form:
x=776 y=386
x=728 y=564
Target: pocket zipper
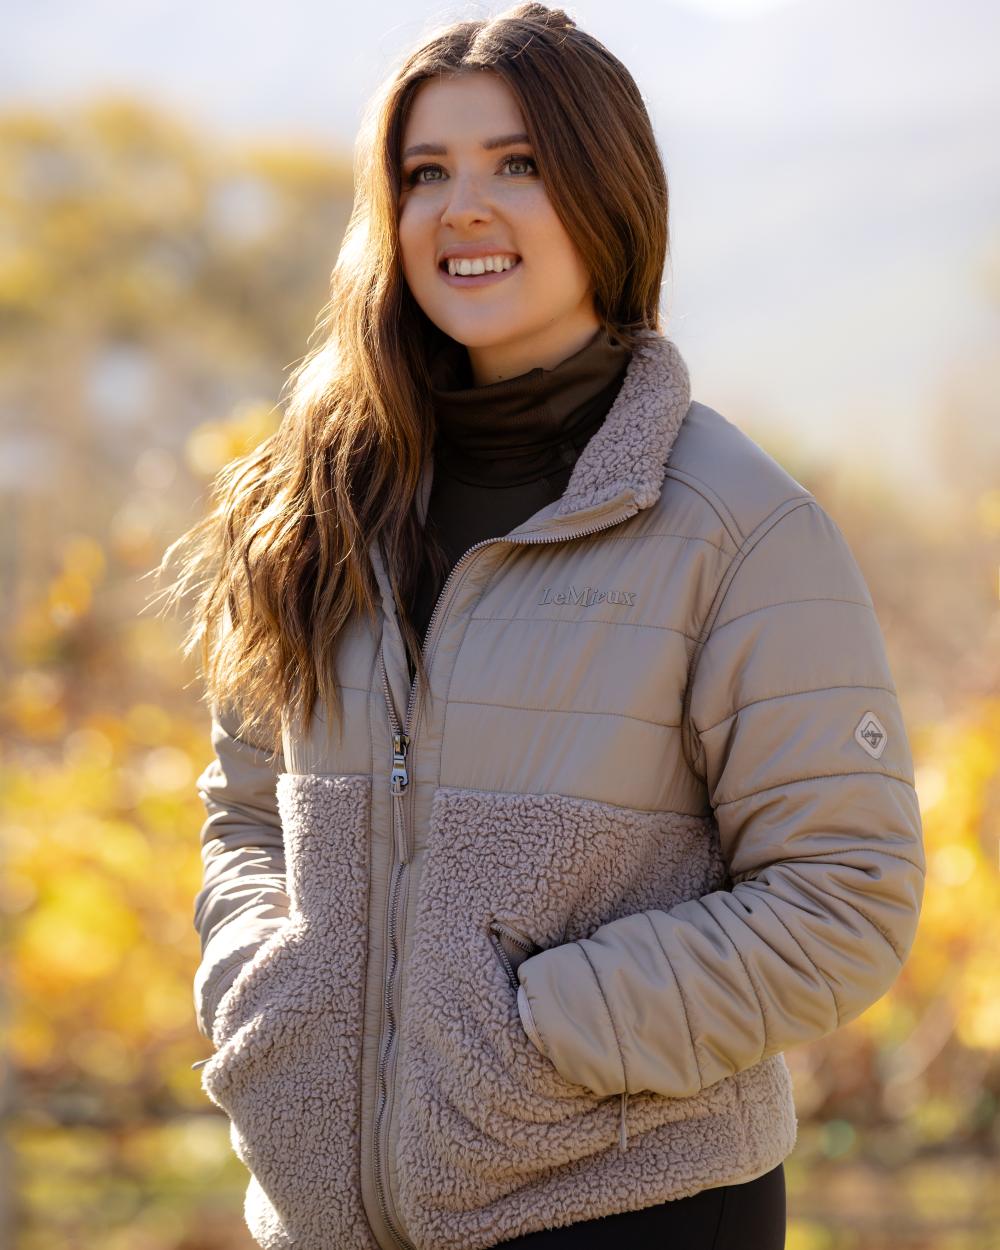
x=497 y=931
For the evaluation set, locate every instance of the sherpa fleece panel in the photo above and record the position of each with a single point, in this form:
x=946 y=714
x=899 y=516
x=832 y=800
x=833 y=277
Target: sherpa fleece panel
x=659 y=807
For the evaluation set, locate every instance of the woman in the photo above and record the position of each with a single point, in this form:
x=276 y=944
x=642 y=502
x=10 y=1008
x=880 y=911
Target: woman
x=560 y=781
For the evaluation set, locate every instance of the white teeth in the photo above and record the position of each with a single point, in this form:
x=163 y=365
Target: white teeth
x=481 y=264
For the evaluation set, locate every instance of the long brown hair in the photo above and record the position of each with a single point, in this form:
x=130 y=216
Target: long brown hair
x=281 y=562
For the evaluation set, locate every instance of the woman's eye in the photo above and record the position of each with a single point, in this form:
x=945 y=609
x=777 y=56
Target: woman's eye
x=413 y=178
x=530 y=160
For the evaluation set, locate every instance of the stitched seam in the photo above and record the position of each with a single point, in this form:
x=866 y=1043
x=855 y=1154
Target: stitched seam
x=371 y=736
x=702 y=821
x=320 y=774
x=504 y=557
x=451 y=675
x=584 y=620
x=631 y=538
x=369 y=875
x=561 y=711
x=760 y=894
x=795 y=781
x=791 y=694
x=767 y=607
x=722 y=588
x=841 y=850
x=863 y=914
x=704 y=491
x=746 y=970
x=621 y=1056
x=680 y=995
x=761 y=529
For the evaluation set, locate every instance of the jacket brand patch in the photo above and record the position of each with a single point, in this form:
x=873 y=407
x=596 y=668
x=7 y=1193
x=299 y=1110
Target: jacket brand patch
x=587 y=597
x=870 y=733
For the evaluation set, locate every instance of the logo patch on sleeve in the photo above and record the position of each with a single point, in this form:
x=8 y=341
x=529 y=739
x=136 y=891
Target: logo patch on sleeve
x=870 y=733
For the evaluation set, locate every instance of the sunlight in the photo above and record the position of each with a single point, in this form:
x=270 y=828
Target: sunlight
x=735 y=8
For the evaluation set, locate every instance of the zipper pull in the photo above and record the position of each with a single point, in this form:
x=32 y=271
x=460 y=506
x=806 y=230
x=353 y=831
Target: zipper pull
x=400 y=778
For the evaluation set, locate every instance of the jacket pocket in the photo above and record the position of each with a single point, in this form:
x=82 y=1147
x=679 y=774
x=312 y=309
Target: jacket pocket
x=289 y=1028
x=245 y=993
x=507 y=877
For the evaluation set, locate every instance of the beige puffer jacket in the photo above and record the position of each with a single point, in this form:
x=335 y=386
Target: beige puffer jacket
x=529 y=952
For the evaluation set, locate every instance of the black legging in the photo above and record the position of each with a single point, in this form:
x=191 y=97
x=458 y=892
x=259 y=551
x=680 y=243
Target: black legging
x=750 y=1216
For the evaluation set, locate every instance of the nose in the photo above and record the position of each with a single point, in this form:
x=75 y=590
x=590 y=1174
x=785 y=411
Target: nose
x=465 y=203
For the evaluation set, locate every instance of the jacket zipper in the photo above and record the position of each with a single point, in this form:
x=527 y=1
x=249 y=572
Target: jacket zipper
x=398 y=784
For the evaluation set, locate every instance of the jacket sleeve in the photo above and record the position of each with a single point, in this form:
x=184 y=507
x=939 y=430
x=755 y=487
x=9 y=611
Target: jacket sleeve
x=795 y=729
x=243 y=896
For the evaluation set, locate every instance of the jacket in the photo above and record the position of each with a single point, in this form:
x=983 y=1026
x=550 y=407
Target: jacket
x=526 y=948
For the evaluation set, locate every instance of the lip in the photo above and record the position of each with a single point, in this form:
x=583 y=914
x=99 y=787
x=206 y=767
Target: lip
x=473 y=280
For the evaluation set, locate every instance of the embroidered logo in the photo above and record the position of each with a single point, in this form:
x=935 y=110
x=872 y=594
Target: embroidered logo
x=870 y=733
x=587 y=597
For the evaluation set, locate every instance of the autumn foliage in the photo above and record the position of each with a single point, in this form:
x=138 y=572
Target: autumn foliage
x=153 y=290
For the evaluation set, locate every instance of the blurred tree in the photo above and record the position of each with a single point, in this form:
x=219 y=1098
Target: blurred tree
x=153 y=287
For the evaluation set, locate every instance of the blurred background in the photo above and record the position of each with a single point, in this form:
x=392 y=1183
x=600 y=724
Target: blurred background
x=174 y=184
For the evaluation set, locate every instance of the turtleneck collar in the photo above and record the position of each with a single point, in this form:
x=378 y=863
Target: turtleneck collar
x=512 y=431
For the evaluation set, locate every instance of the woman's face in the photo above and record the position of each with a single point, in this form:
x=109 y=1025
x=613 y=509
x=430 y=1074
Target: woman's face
x=488 y=201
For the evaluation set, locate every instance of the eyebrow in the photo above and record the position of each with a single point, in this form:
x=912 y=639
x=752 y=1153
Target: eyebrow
x=438 y=149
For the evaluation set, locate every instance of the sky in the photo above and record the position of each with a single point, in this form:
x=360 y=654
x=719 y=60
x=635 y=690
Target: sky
x=735 y=9
x=834 y=172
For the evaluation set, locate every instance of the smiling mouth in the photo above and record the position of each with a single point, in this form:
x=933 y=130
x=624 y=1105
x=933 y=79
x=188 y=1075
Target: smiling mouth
x=487 y=278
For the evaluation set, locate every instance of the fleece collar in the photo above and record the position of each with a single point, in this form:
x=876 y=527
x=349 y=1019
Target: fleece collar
x=628 y=454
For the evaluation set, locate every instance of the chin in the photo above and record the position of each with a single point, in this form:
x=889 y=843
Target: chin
x=483 y=336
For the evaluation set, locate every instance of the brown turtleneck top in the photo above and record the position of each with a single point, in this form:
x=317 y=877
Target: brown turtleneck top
x=505 y=450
